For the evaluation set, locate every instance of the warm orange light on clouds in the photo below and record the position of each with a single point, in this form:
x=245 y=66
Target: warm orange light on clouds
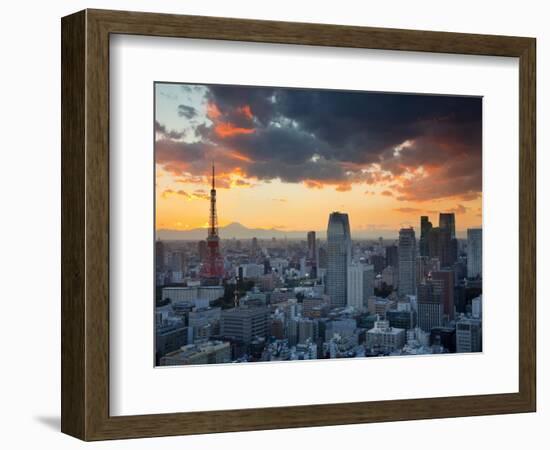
x=246 y=111
x=212 y=111
x=287 y=158
x=298 y=206
x=226 y=129
x=235 y=154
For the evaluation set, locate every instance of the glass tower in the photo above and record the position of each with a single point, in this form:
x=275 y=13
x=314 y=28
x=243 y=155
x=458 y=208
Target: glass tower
x=339 y=257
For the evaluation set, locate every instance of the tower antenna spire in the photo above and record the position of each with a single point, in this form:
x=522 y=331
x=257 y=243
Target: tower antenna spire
x=213 y=177
x=212 y=269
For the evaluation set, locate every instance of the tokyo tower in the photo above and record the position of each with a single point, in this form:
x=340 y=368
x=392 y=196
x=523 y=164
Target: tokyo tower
x=212 y=268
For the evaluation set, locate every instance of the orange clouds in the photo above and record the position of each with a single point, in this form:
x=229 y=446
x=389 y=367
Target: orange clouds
x=312 y=184
x=198 y=194
x=212 y=111
x=226 y=129
x=408 y=210
x=343 y=187
x=246 y=111
x=236 y=155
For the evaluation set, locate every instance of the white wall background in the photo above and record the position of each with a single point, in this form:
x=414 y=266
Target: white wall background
x=30 y=221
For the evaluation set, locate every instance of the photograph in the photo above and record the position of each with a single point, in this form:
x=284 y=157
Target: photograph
x=298 y=224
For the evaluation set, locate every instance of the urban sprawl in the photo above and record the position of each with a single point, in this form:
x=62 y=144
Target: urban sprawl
x=249 y=300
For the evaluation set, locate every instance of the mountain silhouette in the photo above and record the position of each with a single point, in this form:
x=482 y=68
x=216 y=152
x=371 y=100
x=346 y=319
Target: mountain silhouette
x=236 y=230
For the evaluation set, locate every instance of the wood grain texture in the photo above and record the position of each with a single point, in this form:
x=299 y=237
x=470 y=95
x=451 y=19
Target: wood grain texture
x=85 y=224
x=73 y=225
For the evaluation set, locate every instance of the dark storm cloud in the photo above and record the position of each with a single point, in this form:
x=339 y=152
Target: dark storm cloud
x=337 y=137
x=172 y=134
x=187 y=111
x=230 y=98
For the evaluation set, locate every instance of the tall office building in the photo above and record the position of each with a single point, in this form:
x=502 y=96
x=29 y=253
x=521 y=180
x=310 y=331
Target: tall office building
x=449 y=244
x=474 y=252
x=255 y=248
x=447 y=222
x=159 y=255
x=360 y=284
x=442 y=246
x=429 y=304
x=425 y=228
x=468 y=336
x=311 y=245
x=312 y=258
x=392 y=256
x=407 y=262
x=447 y=295
x=339 y=258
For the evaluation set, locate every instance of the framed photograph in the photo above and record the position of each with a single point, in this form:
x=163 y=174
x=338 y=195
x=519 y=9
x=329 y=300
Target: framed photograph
x=272 y=225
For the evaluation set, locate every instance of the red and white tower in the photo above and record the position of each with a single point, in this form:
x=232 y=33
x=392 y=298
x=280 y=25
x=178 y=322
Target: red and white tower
x=212 y=268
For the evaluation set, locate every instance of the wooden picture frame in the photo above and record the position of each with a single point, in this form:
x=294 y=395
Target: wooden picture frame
x=85 y=224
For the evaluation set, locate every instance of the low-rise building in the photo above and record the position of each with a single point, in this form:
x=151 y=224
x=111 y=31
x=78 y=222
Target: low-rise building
x=211 y=352
x=385 y=338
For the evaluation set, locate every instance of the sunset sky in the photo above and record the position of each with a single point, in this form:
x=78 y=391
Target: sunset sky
x=286 y=158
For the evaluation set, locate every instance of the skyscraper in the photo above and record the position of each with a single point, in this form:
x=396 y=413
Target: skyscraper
x=312 y=253
x=447 y=222
x=429 y=304
x=360 y=284
x=447 y=295
x=425 y=228
x=159 y=255
x=391 y=256
x=407 y=262
x=474 y=252
x=339 y=257
x=442 y=246
x=468 y=336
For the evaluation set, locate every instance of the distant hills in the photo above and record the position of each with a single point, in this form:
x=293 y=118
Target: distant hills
x=236 y=230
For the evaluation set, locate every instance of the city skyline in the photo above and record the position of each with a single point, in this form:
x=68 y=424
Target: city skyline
x=282 y=300
x=291 y=159
x=397 y=157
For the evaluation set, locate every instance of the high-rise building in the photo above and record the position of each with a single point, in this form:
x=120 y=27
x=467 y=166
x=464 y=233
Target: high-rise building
x=442 y=246
x=429 y=305
x=474 y=253
x=307 y=329
x=477 y=307
x=425 y=228
x=339 y=258
x=159 y=255
x=447 y=222
x=360 y=285
x=378 y=263
x=468 y=335
x=407 y=262
x=254 y=248
x=312 y=257
x=447 y=296
x=434 y=241
x=392 y=258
